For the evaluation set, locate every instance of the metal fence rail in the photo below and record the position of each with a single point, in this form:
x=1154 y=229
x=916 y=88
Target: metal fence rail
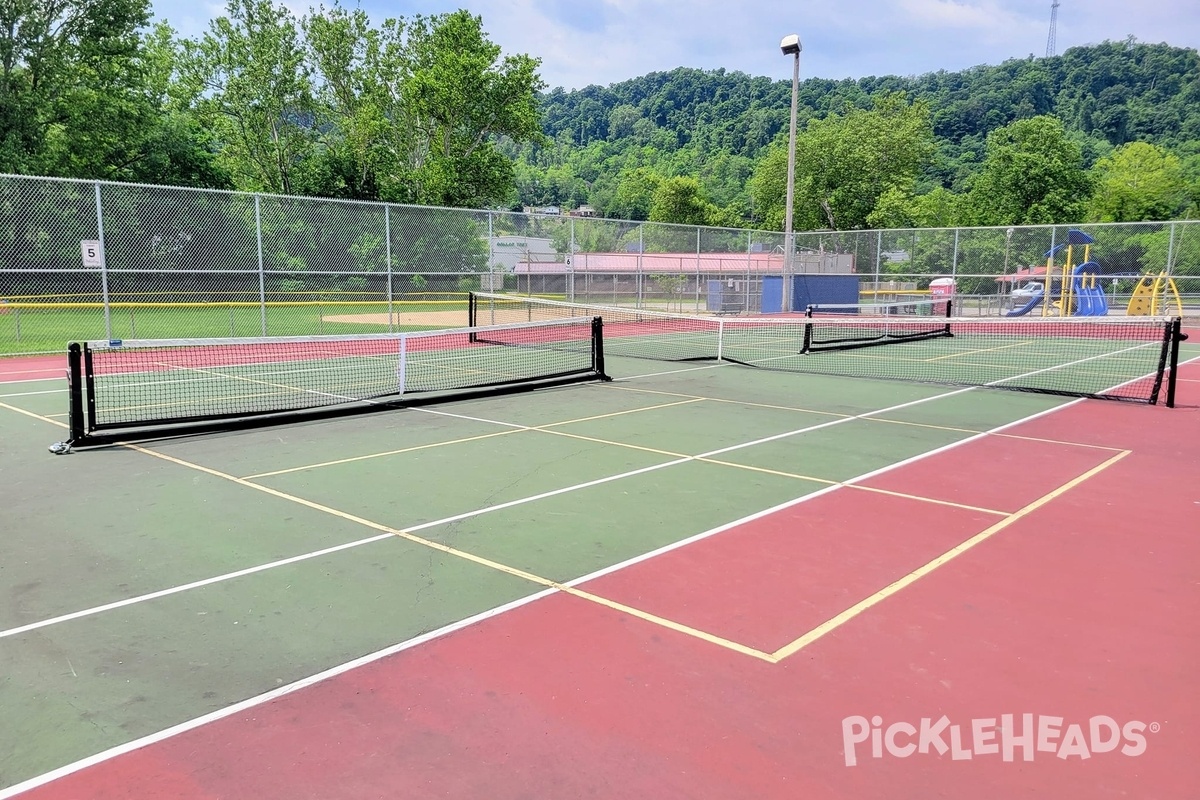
x=101 y=260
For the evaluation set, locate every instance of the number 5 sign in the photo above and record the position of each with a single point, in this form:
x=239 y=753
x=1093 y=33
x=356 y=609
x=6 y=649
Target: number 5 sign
x=92 y=256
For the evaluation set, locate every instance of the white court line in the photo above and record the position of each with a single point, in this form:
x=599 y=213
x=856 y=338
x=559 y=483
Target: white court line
x=303 y=683
x=258 y=700
x=129 y=601
x=27 y=394
x=444 y=521
x=63 y=376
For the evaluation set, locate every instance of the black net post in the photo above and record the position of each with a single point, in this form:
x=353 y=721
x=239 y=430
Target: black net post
x=472 y=315
x=89 y=381
x=1164 y=361
x=1177 y=335
x=598 y=348
x=75 y=388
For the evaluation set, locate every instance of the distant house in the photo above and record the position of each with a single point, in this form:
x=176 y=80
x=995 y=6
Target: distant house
x=505 y=252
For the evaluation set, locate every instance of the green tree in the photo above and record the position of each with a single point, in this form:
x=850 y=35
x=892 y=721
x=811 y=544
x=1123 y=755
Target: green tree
x=680 y=200
x=460 y=94
x=412 y=111
x=1138 y=182
x=177 y=149
x=72 y=95
x=635 y=193
x=898 y=208
x=1033 y=174
x=251 y=86
x=845 y=163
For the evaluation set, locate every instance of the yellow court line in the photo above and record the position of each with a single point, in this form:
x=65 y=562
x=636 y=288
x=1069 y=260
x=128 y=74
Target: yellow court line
x=619 y=413
x=463 y=554
x=865 y=416
x=515 y=428
x=775 y=657
x=768 y=471
x=1055 y=361
x=858 y=608
x=922 y=425
x=444 y=548
x=724 y=400
x=1025 y=343
x=381 y=455
x=670 y=624
x=398 y=532
x=1058 y=441
x=625 y=445
x=41 y=417
x=828 y=482
x=923 y=499
x=246 y=480
x=412 y=537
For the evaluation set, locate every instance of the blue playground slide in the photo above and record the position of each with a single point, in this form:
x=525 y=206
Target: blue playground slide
x=1090 y=300
x=1087 y=298
x=1025 y=309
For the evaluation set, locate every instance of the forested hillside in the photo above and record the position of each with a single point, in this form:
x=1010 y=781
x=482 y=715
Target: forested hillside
x=427 y=110
x=612 y=146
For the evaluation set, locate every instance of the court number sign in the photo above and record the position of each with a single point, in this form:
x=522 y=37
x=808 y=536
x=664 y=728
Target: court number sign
x=91 y=254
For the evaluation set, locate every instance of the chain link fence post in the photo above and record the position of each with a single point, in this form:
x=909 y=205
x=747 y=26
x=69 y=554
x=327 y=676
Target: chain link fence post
x=262 y=283
x=1171 y=249
x=387 y=259
x=108 y=331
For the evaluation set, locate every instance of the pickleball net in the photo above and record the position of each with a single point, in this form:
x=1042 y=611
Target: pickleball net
x=119 y=388
x=1114 y=358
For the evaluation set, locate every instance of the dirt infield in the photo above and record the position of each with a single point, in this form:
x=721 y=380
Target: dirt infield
x=449 y=319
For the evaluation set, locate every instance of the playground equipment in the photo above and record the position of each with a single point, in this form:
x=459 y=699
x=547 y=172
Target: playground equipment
x=1089 y=297
x=1035 y=300
x=1075 y=289
x=1155 y=296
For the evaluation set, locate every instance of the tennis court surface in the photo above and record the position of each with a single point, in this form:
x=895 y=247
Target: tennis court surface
x=698 y=579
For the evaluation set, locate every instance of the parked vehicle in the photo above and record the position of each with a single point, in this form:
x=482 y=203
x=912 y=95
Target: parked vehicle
x=1022 y=295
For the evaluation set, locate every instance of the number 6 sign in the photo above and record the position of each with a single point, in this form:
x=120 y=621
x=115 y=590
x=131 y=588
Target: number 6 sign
x=91 y=254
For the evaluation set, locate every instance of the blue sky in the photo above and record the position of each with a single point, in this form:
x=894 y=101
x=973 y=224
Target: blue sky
x=582 y=42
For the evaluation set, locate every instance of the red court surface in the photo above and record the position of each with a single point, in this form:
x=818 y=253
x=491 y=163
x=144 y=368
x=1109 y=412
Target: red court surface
x=1081 y=611
x=32 y=368
x=999 y=472
x=764 y=583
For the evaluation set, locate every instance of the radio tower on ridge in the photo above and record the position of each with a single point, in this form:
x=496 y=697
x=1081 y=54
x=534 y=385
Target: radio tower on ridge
x=1050 y=43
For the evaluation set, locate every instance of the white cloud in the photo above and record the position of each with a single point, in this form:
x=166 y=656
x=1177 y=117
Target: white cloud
x=607 y=41
x=950 y=14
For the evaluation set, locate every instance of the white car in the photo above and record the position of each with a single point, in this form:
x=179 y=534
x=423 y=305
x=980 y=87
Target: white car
x=1022 y=295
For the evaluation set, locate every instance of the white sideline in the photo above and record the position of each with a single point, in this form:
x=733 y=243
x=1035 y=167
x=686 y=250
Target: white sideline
x=266 y=697
x=451 y=519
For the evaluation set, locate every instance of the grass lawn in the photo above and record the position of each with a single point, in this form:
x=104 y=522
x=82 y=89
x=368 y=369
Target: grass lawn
x=33 y=328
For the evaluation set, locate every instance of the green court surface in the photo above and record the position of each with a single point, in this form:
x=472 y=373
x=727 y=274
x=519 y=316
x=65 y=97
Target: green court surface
x=149 y=584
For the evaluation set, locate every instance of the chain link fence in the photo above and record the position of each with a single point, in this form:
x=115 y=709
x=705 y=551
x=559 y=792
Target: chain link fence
x=999 y=270
x=86 y=260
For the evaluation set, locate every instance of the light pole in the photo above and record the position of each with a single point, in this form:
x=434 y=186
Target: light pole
x=790 y=47
x=1007 y=247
